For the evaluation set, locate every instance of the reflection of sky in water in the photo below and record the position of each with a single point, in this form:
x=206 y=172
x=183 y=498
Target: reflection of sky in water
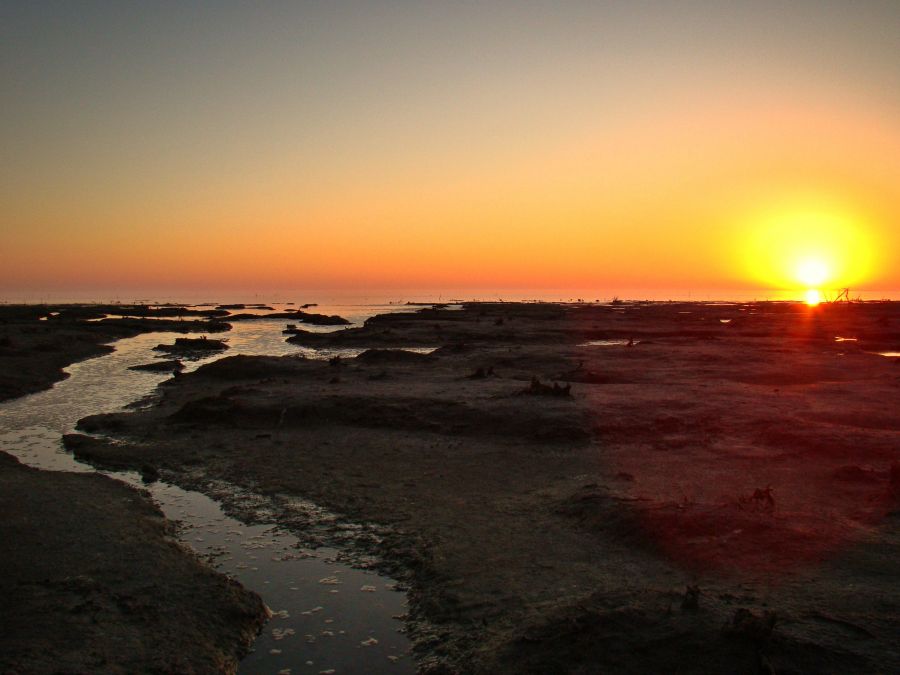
x=608 y=343
x=126 y=315
x=327 y=614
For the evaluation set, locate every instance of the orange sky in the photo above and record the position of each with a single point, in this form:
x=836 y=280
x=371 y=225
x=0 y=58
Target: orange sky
x=365 y=147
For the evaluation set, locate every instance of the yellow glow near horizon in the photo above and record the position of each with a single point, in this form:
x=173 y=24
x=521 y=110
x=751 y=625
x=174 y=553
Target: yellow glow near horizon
x=810 y=247
x=449 y=146
x=812 y=297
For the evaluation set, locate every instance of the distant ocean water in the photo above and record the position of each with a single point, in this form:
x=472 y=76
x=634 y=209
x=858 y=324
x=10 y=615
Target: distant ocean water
x=392 y=296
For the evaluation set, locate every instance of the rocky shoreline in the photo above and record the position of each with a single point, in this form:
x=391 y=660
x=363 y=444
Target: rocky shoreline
x=93 y=580
x=38 y=341
x=92 y=576
x=642 y=487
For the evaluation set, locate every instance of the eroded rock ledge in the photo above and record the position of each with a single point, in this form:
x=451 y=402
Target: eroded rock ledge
x=92 y=580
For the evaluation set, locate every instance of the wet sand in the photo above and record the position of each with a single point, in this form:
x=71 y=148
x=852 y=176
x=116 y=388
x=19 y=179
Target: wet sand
x=722 y=495
x=93 y=581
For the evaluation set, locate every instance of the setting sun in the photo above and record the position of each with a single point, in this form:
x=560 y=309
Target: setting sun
x=812 y=273
x=812 y=297
x=810 y=245
x=606 y=294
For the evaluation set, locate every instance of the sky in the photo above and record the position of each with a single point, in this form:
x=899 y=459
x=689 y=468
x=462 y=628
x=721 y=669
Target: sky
x=360 y=145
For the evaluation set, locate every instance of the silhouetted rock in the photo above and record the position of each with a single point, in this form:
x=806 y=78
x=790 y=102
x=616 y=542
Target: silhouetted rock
x=382 y=356
x=320 y=319
x=301 y=317
x=193 y=346
x=160 y=366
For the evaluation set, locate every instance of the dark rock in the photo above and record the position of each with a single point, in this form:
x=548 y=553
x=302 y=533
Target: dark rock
x=166 y=366
x=755 y=627
x=382 y=356
x=193 y=346
x=92 y=582
x=537 y=388
x=691 y=600
x=149 y=474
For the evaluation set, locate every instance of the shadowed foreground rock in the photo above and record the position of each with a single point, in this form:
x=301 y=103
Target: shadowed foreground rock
x=92 y=581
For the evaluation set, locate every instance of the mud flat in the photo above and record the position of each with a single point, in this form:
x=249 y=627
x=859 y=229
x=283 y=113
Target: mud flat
x=38 y=341
x=639 y=487
x=93 y=581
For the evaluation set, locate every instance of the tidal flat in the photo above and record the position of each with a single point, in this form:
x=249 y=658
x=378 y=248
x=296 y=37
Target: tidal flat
x=573 y=488
x=630 y=487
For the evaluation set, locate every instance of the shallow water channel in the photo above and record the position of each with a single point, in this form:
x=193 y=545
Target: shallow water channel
x=328 y=617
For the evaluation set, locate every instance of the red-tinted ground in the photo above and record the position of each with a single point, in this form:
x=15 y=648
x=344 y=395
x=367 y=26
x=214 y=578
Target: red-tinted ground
x=760 y=444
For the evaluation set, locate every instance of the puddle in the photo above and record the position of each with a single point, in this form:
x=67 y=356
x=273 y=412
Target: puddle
x=327 y=614
x=609 y=343
x=324 y=611
x=325 y=353
x=174 y=317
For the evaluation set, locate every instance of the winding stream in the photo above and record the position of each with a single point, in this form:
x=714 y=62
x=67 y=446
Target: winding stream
x=328 y=617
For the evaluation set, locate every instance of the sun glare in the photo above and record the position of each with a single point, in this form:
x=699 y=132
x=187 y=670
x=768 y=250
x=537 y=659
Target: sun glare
x=808 y=247
x=812 y=297
x=812 y=273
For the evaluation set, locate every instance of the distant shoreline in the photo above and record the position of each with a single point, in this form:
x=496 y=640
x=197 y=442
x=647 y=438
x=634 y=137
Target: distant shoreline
x=426 y=296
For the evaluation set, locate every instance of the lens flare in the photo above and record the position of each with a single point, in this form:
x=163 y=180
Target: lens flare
x=813 y=297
